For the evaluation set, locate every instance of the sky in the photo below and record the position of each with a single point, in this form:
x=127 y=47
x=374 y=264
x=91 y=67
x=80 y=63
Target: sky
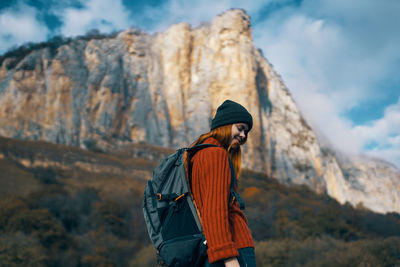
x=339 y=59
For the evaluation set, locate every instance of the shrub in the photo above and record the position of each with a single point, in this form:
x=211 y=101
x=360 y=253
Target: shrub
x=326 y=251
x=145 y=257
x=45 y=175
x=41 y=224
x=21 y=250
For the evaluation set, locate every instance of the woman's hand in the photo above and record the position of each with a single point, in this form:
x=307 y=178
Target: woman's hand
x=232 y=262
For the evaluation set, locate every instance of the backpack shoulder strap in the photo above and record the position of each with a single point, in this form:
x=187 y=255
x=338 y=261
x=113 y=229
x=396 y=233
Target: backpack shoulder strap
x=189 y=154
x=194 y=149
x=233 y=194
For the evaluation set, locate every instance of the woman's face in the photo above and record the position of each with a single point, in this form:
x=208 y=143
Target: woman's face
x=239 y=133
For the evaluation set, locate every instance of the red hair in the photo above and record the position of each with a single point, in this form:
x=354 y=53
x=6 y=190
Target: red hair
x=223 y=136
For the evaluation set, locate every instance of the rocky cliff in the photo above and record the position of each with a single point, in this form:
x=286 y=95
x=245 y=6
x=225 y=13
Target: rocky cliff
x=163 y=89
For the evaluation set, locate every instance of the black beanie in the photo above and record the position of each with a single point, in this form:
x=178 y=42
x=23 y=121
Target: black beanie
x=231 y=112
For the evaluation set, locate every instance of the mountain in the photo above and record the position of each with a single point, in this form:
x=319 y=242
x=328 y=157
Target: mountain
x=104 y=93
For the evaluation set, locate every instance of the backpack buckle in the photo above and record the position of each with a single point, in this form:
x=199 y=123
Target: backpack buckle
x=179 y=197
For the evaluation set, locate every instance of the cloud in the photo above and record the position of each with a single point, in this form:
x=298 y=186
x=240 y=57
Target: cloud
x=332 y=55
x=304 y=51
x=387 y=131
x=193 y=12
x=19 y=25
x=104 y=15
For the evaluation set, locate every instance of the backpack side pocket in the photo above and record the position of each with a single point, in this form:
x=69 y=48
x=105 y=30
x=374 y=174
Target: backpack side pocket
x=179 y=221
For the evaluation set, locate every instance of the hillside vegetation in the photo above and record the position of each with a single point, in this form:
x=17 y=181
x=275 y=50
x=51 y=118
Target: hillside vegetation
x=16 y=54
x=66 y=215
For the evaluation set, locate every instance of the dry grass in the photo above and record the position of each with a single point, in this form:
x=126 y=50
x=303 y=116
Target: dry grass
x=74 y=168
x=15 y=181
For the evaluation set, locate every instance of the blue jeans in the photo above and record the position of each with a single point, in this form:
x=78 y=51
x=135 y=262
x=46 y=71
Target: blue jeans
x=246 y=258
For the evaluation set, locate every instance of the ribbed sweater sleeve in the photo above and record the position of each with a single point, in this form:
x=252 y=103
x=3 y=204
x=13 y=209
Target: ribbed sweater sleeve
x=211 y=176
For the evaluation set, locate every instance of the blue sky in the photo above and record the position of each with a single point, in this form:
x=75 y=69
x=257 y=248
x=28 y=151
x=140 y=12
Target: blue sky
x=340 y=59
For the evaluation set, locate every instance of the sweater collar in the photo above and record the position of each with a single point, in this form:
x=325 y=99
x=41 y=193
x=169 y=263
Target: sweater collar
x=213 y=141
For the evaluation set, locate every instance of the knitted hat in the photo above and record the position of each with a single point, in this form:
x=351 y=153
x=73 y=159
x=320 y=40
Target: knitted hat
x=231 y=112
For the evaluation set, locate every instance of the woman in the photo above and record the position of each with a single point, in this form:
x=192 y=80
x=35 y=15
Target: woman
x=224 y=224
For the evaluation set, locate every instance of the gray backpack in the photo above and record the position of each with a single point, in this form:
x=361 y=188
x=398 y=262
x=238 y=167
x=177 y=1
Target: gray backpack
x=170 y=214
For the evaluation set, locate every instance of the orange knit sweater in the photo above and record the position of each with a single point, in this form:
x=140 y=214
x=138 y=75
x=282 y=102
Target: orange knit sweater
x=225 y=227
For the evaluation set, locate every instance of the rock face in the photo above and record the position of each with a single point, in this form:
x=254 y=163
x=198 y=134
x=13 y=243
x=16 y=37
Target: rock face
x=163 y=89
x=372 y=183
